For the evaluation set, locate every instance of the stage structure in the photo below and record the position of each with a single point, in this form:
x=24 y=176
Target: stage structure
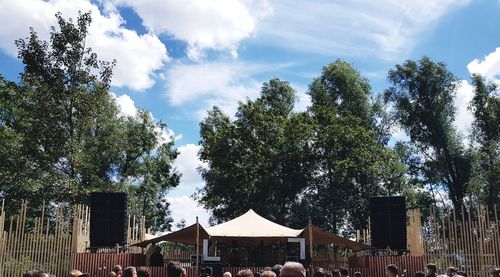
x=222 y=243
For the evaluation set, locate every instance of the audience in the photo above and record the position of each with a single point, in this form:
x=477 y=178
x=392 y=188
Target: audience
x=143 y=271
x=268 y=273
x=116 y=271
x=320 y=272
x=336 y=273
x=431 y=270
x=156 y=259
x=344 y=271
x=130 y=272
x=292 y=269
x=175 y=270
x=276 y=269
x=245 y=273
x=391 y=270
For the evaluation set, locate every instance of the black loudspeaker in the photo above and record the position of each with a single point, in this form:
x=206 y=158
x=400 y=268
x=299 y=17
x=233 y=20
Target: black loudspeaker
x=388 y=222
x=108 y=219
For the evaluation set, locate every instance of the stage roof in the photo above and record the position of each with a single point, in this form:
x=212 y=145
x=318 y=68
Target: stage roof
x=253 y=227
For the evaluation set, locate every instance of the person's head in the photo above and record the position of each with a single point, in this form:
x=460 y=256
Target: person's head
x=244 y=273
x=451 y=271
x=495 y=272
x=391 y=270
x=130 y=272
x=431 y=269
x=143 y=271
x=256 y=274
x=72 y=273
x=462 y=273
x=319 y=272
x=267 y=268
x=419 y=274
x=209 y=271
x=276 y=269
x=117 y=269
x=227 y=274
x=267 y=273
x=336 y=273
x=344 y=272
x=357 y=274
x=183 y=272
x=329 y=274
x=174 y=270
x=292 y=269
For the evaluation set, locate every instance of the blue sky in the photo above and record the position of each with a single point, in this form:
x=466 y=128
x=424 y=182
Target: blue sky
x=177 y=58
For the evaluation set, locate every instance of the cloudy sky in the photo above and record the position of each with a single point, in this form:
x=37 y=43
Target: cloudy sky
x=177 y=58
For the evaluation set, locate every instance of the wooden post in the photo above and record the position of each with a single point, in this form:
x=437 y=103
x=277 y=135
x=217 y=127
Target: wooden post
x=311 y=263
x=197 y=246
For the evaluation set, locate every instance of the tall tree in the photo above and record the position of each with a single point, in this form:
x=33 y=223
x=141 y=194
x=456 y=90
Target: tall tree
x=352 y=162
x=422 y=95
x=485 y=106
x=257 y=161
x=64 y=135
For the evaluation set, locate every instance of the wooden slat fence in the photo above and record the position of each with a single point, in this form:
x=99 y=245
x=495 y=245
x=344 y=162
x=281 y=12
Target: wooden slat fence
x=468 y=240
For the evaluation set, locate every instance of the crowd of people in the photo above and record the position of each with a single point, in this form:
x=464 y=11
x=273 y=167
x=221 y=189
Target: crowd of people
x=289 y=269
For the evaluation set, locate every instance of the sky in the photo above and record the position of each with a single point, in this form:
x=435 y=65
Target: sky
x=178 y=58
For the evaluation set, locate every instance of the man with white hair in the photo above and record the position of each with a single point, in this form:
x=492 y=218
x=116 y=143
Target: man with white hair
x=292 y=269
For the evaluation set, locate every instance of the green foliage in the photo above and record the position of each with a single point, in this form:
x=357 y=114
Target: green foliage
x=64 y=136
x=321 y=165
x=422 y=95
x=486 y=109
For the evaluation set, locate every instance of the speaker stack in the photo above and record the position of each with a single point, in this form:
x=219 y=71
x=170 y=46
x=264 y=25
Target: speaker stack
x=108 y=219
x=388 y=222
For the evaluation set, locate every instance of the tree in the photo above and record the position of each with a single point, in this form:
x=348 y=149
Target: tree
x=64 y=136
x=485 y=106
x=422 y=96
x=352 y=162
x=259 y=160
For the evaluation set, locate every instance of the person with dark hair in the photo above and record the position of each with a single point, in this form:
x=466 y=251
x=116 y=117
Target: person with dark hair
x=336 y=273
x=391 y=270
x=36 y=273
x=329 y=274
x=143 y=271
x=209 y=271
x=495 y=272
x=357 y=274
x=276 y=269
x=116 y=271
x=451 y=271
x=462 y=273
x=319 y=272
x=431 y=270
x=344 y=271
x=419 y=274
x=130 y=272
x=174 y=270
x=256 y=274
x=156 y=259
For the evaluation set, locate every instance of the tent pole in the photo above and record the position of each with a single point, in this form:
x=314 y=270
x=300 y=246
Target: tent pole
x=311 y=264
x=197 y=246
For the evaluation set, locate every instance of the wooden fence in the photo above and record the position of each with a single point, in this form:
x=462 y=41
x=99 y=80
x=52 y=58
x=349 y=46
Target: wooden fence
x=468 y=240
x=45 y=246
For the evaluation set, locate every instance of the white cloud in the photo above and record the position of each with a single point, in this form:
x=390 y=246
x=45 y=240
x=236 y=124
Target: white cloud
x=463 y=115
x=385 y=29
x=489 y=67
x=183 y=207
x=210 y=84
x=125 y=104
x=138 y=56
x=187 y=163
x=399 y=134
x=215 y=24
x=127 y=107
